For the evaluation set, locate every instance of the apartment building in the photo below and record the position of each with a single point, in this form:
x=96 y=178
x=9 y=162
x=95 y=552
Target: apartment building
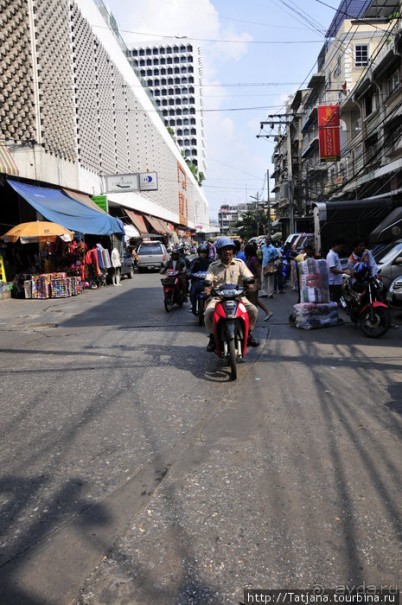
x=358 y=76
x=73 y=112
x=172 y=70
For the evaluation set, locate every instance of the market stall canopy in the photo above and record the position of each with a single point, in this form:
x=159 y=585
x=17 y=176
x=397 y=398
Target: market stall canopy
x=54 y=205
x=156 y=226
x=130 y=231
x=38 y=231
x=137 y=219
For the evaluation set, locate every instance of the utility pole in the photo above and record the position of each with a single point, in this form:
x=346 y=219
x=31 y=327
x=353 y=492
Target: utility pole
x=269 y=205
x=281 y=120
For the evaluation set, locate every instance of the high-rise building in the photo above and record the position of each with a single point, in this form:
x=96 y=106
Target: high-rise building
x=172 y=70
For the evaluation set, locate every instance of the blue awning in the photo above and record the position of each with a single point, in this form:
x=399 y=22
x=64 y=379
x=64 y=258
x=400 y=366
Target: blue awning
x=58 y=207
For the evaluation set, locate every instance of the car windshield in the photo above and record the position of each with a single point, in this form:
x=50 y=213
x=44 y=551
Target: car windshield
x=390 y=256
x=150 y=249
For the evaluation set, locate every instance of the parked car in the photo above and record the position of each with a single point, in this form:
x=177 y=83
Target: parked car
x=127 y=266
x=291 y=238
x=302 y=240
x=151 y=255
x=390 y=263
x=394 y=294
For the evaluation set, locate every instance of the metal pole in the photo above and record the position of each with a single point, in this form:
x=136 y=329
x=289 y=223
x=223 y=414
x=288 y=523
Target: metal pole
x=269 y=206
x=290 y=180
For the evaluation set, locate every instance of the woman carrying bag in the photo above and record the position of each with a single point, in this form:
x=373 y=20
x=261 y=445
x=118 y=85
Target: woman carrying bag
x=253 y=264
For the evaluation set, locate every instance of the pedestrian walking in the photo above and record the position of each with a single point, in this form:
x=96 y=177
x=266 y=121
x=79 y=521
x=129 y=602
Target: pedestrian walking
x=268 y=269
x=253 y=264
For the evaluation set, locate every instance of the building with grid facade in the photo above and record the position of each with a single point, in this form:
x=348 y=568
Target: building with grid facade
x=172 y=70
x=73 y=110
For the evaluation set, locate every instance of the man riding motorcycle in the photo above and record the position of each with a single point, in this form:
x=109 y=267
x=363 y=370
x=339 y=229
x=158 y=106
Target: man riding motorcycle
x=227 y=270
x=177 y=263
x=201 y=263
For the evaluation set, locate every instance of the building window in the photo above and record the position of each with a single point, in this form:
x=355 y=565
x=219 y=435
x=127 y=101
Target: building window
x=393 y=82
x=361 y=55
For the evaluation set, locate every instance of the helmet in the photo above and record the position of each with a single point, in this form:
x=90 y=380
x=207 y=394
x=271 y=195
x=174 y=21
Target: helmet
x=224 y=242
x=202 y=249
x=175 y=252
x=361 y=271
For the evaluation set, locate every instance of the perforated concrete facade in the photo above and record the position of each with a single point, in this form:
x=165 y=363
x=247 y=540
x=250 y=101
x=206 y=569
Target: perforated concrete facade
x=68 y=89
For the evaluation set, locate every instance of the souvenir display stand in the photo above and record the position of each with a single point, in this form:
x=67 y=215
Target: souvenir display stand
x=51 y=285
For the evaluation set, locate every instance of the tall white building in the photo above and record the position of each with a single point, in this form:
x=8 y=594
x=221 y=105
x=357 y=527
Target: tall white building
x=172 y=70
x=73 y=111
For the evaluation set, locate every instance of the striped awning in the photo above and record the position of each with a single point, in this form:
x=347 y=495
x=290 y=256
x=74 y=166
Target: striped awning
x=7 y=164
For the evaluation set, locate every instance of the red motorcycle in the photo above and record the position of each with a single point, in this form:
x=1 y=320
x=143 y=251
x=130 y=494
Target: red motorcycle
x=172 y=288
x=363 y=302
x=231 y=325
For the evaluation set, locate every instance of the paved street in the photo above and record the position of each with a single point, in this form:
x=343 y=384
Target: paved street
x=134 y=472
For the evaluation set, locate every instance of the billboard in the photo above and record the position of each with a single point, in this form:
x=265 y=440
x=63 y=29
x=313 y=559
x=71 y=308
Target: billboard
x=328 y=133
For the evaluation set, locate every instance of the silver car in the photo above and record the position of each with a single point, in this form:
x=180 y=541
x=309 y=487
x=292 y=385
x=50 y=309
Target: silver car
x=151 y=255
x=394 y=294
x=389 y=263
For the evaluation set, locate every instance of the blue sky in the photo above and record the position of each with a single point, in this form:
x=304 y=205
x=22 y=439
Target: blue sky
x=255 y=53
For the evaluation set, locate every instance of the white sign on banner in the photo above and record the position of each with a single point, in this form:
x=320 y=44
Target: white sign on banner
x=148 y=181
x=121 y=183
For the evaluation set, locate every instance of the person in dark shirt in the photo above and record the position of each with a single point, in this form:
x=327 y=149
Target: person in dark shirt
x=201 y=263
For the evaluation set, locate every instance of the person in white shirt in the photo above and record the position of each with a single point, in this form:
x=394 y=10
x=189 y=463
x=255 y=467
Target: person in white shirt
x=335 y=271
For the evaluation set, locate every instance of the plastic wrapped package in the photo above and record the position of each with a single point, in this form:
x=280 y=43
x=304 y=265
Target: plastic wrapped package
x=313 y=281
x=310 y=316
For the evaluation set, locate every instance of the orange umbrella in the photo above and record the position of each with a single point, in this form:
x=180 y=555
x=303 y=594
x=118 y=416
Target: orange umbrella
x=38 y=231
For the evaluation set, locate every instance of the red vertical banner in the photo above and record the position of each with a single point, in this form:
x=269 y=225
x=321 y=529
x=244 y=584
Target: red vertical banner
x=329 y=133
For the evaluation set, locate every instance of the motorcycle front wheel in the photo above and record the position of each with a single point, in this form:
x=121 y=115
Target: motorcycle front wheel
x=168 y=302
x=376 y=325
x=233 y=359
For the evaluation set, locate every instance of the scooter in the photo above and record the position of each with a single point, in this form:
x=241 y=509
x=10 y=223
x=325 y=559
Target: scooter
x=231 y=324
x=172 y=288
x=198 y=283
x=362 y=301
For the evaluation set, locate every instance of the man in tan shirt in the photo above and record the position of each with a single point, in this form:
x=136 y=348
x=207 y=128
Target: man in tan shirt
x=227 y=270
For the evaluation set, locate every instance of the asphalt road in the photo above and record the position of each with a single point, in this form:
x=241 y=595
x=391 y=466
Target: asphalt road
x=134 y=472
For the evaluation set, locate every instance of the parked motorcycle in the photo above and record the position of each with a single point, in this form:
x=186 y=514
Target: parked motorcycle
x=230 y=324
x=172 y=288
x=362 y=300
x=198 y=283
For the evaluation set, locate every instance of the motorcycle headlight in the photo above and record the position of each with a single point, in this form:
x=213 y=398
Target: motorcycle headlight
x=230 y=307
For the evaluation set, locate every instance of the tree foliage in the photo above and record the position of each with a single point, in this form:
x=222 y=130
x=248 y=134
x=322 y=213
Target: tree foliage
x=252 y=223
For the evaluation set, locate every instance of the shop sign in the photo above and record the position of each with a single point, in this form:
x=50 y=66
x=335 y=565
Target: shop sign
x=101 y=201
x=328 y=133
x=148 y=181
x=122 y=183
